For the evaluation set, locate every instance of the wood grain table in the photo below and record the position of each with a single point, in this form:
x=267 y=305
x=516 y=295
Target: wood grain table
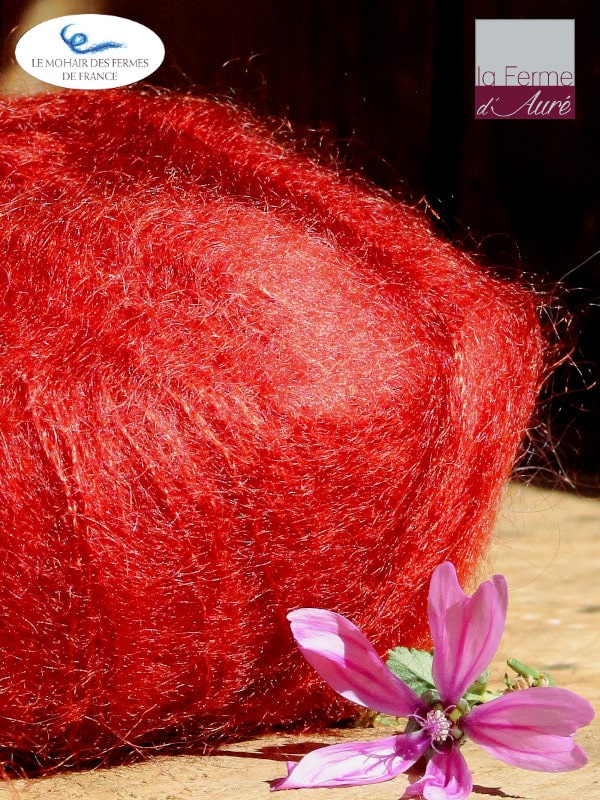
x=548 y=546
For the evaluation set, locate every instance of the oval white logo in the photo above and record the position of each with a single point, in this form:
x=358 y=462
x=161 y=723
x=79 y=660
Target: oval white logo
x=90 y=51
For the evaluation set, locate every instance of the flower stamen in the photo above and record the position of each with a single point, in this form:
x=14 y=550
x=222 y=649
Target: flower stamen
x=439 y=725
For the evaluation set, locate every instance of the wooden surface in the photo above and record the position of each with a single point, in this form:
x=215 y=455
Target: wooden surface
x=548 y=546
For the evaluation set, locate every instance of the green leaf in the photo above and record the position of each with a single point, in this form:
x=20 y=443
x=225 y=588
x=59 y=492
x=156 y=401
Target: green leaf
x=477 y=698
x=413 y=667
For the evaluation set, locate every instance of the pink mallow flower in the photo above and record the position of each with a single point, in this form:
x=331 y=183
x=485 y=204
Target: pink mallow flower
x=531 y=728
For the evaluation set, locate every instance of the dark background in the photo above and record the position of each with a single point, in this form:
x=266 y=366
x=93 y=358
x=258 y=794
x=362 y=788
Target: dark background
x=389 y=86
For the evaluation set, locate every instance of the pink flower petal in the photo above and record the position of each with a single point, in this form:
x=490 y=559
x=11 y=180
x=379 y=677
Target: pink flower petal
x=466 y=630
x=532 y=728
x=345 y=658
x=355 y=763
x=447 y=777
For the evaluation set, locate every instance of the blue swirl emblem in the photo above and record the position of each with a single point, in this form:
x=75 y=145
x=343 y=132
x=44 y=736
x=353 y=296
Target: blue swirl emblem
x=77 y=42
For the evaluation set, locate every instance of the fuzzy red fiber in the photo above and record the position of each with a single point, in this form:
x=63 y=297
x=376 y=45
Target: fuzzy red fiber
x=233 y=383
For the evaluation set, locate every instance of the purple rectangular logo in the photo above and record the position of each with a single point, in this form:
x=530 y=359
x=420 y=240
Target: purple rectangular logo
x=524 y=69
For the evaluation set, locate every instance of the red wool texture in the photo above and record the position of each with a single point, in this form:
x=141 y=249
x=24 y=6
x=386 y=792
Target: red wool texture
x=232 y=383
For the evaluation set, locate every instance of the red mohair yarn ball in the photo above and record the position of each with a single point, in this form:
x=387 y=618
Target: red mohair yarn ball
x=232 y=383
